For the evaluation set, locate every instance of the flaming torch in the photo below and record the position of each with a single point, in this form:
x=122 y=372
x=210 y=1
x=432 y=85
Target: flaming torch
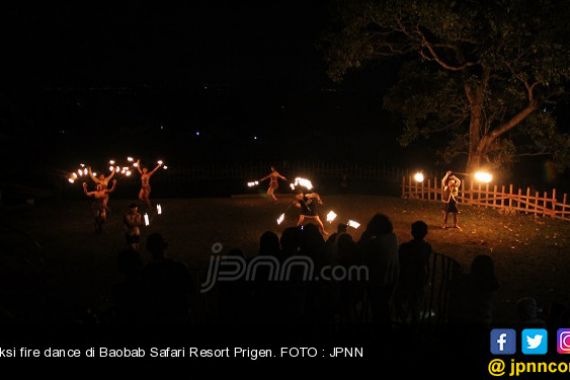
x=331 y=216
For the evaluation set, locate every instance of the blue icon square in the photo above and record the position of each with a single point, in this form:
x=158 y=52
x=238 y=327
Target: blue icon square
x=503 y=341
x=534 y=341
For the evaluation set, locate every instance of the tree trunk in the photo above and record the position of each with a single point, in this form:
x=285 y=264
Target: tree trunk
x=475 y=97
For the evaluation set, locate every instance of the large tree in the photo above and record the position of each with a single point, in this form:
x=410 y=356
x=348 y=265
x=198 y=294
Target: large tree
x=484 y=74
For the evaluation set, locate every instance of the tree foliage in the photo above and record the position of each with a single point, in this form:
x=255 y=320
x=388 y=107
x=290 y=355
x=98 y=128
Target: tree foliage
x=486 y=75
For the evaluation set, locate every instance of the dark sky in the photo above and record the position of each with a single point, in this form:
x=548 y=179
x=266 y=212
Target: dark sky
x=132 y=43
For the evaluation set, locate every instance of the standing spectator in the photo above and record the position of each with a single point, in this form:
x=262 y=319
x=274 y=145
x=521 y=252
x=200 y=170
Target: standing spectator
x=414 y=268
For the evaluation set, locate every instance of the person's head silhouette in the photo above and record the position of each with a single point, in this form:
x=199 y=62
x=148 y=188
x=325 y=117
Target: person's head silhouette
x=156 y=245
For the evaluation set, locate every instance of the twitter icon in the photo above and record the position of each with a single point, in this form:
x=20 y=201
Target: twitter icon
x=534 y=341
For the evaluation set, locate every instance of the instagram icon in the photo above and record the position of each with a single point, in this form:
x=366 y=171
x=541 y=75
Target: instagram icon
x=563 y=341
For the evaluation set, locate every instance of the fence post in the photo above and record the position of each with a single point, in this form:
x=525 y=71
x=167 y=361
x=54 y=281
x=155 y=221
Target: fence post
x=564 y=206
x=527 y=200
x=519 y=196
x=486 y=195
x=429 y=190
x=503 y=196
x=554 y=202
x=495 y=196
x=536 y=198
x=511 y=195
x=422 y=189
x=403 y=186
x=544 y=202
x=435 y=182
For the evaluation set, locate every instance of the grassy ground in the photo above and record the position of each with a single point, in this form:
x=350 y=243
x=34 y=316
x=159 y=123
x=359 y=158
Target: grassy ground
x=76 y=266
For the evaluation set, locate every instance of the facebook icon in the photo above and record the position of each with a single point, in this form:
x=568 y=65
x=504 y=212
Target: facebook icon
x=503 y=341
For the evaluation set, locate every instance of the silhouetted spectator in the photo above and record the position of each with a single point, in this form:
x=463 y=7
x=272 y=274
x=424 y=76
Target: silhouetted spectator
x=379 y=248
x=414 y=268
x=234 y=297
x=290 y=242
x=527 y=313
x=128 y=294
x=331 y=246
x=168 y=284
x=351 y=289
x=472 y=296
x=269 y=244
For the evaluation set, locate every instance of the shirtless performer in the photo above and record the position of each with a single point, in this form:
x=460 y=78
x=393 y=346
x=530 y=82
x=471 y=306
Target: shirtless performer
x=144 y=193
x=102 y=182
x=133 y=221
x=273 y=178
x=450 y=191
x=307 y=203
x=100 y=205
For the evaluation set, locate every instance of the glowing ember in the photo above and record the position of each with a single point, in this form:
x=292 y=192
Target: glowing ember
x=281 y=218
x=419 y=177
x=159 y=209
x=112 y=162
x=303 y=182
x=292 y=186
x=128 y=173
x=165 y=167
x=159 y=162
x=146 y=220
x=111 y=168
x=94 y=174
x=136 y=165
x=82 y=165
x=74 y=175
x=130 y=159
x=354 y=224
x=118 y=169
x=252 y=183
x=484 y=177
x=331 y=216
x=71 y=180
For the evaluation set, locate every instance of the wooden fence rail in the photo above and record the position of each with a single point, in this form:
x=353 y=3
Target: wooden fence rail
x=493 y=196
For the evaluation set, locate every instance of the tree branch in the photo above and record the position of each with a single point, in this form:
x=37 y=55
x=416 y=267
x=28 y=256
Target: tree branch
x=514 y=121
x=436 y=57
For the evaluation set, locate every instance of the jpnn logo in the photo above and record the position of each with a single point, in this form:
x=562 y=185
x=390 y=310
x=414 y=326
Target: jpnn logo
x=534 y=341
x=503 y=341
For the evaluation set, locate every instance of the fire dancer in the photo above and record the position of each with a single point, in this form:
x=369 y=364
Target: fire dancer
x=274 y=178
x=100 y=204
x=308 y=205
x=102 y=182
x=450 y=191
x=144 y=193
x=133 y=220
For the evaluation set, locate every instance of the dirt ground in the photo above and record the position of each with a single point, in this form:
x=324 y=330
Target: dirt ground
x=78 y=267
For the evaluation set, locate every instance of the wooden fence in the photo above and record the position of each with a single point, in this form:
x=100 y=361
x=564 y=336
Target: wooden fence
x=504 y=197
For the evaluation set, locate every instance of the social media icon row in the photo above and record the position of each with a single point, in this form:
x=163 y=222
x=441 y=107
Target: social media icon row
x=533 y=341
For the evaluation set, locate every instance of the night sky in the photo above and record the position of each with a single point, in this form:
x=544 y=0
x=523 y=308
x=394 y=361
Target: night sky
x=193 y=81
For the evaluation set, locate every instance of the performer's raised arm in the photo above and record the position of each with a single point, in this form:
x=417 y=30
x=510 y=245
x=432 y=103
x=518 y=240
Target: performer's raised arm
x=155 y=169
x=108 y=178
x=112 y=186
x=265 y=178
x=281 y=176
x=445 y=177
x=95 y=179
x=87 y=192
x=315 y=196
x=138 y=166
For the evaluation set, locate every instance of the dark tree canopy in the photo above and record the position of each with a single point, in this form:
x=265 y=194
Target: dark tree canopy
x=484 y=74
